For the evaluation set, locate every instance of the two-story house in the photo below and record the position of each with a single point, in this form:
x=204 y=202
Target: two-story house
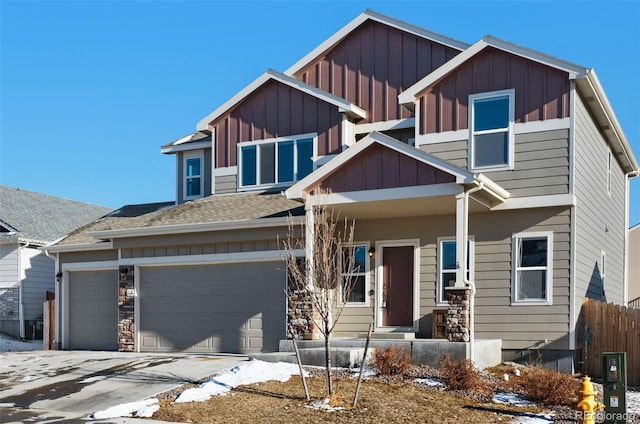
x=490 y=155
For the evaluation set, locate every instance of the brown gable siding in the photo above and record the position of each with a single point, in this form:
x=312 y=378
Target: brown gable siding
x=541 y=92
x=374 y=64
x=380 y=167
x=276 y=110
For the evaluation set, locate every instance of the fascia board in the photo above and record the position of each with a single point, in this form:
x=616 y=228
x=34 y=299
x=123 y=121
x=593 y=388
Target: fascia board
x=492 y=187
x=344 y=105
x=195 y=228
x=295 y=191
x=407 y=97
x=590 y=85
x=105 y=245
x=359 y=20
x=196 y=145
x=9 y=227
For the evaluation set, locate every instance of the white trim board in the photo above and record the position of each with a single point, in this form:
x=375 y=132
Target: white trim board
x=217 y=258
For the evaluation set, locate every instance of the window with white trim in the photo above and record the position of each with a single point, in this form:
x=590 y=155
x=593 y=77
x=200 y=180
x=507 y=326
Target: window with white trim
x=533 y=265
x=491 y=139
x=447 y=265
x=277 y=161
x=354 y=285
x=193 y=181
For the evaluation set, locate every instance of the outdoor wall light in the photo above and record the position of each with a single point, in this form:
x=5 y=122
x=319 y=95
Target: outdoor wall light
x=59 y=277
x=372 y=250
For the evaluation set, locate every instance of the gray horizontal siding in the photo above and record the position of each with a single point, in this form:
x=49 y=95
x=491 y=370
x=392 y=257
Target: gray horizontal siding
x=9 y=274
x=39 y=277
x=226 y=184
x=541 y=163
x=599 y=217
x=518 y=326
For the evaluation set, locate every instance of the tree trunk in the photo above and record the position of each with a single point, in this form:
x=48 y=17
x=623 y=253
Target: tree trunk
x=327 y=353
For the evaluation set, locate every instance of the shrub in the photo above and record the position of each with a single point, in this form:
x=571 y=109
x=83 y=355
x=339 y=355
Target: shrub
x=392 y=360
x=462 y=375
x=548 y=387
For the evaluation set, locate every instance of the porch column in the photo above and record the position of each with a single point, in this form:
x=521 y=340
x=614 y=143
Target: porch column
x=461 y=219
x=308 y=239
x=126 y=309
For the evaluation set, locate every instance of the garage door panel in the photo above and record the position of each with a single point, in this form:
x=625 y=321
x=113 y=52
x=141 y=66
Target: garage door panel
x=217 y=308
x=93 y=310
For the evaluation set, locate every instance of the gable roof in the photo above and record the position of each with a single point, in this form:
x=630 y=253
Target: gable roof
x=195 y=140
x=378 y=17
x=41 y=218
x=585 y=79
x=462 y=176
x=343 y=105
x=216 y=212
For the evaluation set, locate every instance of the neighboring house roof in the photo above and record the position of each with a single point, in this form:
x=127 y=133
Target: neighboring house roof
x=585 y=78
x=378 y=17
x=209 y=213
x=40 y=218
x=344 y=105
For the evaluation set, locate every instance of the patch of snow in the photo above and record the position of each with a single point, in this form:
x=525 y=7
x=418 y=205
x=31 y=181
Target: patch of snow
x=510 y=399
x=7 y=405
x=432 y=382
x=28 y=378
x=93 y=379
x=144 y=408
x=143 y=365
x=533 y=419
x=633 y=402
x=9 y=344
x=254 y=371
x=367 y=372
x=323 y=405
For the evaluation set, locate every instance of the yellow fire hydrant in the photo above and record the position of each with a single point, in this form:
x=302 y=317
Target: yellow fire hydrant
x=587 y=405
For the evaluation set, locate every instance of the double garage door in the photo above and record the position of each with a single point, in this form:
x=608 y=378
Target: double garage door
x=236 y=308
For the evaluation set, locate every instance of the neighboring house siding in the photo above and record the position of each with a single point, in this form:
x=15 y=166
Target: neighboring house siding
x=634 y=262
x=38 y=278
x=374 y=64
x=9 y=289
x=206 y=173
x=226 y=183
x=9 y=265
x=541 y=163
x=276 y=110
x=518 y=326
x=541 y=92
x=600 y=217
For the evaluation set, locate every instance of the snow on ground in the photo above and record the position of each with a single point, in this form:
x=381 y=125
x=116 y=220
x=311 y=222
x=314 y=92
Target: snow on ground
x=142 y=409
x=431 y=382
x=510 y=399
x=9 y=344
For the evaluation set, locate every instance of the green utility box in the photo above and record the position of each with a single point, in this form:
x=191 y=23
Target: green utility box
x=614 y=373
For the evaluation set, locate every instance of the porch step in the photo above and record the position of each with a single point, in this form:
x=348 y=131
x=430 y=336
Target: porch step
x=345 y=357
x=388 y=336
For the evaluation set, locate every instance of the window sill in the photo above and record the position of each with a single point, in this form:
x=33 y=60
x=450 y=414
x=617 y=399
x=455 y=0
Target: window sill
x=531 y=303
x=265 y=186
x=492 y=168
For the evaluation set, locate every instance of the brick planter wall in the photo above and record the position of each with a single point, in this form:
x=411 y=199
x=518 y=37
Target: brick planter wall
x=126 y=310
x=458 y=314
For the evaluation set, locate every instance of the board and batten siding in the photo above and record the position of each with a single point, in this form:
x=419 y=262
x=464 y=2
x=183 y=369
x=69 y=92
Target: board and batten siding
x=200 y=249
x=518 y=326
x=541 y=162
x=541 y=92
x=372 y=65
x=599 y=217
x=38 y=276
x=276 y=110
x=88 y=256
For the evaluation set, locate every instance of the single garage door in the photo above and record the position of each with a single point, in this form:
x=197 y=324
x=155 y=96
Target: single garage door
x=93 y=310
x=234 y=308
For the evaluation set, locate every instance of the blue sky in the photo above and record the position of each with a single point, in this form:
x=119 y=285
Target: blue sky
x=90 y=90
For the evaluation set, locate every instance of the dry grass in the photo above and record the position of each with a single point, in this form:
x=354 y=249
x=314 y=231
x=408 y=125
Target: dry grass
x=388 y=400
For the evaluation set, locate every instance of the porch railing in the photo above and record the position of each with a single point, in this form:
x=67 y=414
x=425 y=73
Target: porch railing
x=635 y=303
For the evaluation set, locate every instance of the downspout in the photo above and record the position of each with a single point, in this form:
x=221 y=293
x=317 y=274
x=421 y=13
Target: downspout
x=465 y=279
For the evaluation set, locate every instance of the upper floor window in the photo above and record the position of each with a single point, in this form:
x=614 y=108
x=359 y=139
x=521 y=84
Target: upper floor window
x=491 y=136
x=533 y=265
x=447 y=266
x=277 y=161
x=193 y=175
x=354 y=284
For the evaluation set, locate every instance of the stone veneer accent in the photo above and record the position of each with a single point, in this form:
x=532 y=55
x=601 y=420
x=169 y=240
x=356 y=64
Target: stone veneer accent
x=126 y=296
x=10 y=303
x=458 y=314
x=299 y=316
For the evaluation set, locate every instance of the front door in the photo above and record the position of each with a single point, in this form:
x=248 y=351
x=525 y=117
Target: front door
x=397 y=286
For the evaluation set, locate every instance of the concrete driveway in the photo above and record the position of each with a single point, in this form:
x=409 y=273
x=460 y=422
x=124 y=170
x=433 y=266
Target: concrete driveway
x=68 y=386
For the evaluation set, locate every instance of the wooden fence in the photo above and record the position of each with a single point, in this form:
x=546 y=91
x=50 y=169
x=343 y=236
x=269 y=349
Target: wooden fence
x=49 y=322
x=610 y=328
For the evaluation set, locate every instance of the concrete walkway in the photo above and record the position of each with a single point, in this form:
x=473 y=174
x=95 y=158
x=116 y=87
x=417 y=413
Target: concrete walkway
x=68 y=386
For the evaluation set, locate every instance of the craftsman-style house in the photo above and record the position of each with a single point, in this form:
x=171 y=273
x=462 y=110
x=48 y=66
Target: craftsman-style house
x=490 y=155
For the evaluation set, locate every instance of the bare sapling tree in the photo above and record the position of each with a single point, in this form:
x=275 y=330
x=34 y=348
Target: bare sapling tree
x=327 y=278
